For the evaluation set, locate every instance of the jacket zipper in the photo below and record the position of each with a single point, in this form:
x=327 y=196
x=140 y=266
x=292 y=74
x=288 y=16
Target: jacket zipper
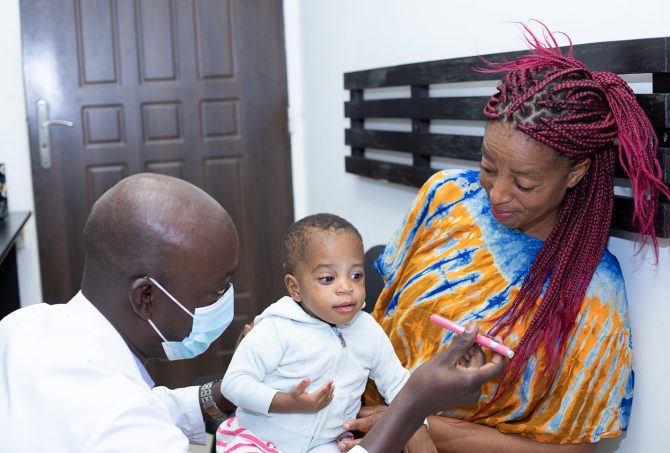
x=343 y=343
x=339 y=335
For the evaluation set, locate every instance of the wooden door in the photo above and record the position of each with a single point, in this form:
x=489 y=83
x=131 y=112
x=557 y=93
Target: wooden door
x=190 y=88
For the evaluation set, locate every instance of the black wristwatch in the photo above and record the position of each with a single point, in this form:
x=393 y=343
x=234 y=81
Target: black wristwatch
x=208 y=403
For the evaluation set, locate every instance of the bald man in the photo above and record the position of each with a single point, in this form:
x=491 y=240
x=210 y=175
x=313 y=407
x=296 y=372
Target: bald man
x=159 y=256
x=158 y=250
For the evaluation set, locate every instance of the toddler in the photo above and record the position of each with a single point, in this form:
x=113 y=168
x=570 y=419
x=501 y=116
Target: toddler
x=299 y=374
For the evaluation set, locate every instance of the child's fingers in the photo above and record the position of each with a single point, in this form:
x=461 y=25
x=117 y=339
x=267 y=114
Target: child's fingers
x=325 y=389
x=324 y=394
x=322 y=397
x=301 y=387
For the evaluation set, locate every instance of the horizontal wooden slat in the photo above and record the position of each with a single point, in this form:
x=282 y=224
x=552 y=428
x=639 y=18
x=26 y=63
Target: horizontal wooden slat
x=397 y=173
x=461 y=108
x=656 y=106
x=622 y=57
x=660 y=82
x=464 y=147
x=443 y=145
x=416 y=176
x=623 y=216
x=663 y=158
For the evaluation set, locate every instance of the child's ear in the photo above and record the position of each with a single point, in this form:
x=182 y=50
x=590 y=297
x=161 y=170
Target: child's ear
x=293 y=288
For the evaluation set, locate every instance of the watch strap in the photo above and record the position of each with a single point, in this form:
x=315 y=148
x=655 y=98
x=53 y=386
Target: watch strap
x=209 y=404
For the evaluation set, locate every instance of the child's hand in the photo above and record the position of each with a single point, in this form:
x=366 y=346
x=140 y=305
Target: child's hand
x=298 y=400
x=420 y=443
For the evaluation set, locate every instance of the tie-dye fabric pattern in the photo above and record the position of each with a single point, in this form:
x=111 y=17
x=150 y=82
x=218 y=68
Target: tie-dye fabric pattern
x=453 y=258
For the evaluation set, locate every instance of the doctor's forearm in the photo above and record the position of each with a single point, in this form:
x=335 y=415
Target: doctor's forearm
x=397 y=425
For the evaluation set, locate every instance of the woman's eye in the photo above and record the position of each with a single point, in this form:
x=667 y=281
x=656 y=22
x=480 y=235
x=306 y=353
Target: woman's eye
x=326 y=280
x=524 y=188
x=487 y=170
x=356 y=276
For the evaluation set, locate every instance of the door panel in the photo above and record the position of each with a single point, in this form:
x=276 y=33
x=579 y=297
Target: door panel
x=190 y=88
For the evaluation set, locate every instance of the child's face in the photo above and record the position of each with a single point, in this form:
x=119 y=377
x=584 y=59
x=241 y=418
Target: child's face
x=329 y=283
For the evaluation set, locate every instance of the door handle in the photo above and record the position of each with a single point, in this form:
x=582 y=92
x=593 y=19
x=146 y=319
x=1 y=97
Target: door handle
x=48 y=123
x=43 y=139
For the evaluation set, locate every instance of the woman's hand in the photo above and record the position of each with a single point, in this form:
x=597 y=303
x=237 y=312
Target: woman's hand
x=420 y=443
x=367 y=417
x=245 y=330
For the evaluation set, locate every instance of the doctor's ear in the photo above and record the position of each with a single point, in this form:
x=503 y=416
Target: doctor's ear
x=292 y=286
x=141 y=297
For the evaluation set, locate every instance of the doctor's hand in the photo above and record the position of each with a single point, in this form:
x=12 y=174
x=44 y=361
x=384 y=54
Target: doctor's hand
x=299 y=401
x=439 y=384
x=453 y=377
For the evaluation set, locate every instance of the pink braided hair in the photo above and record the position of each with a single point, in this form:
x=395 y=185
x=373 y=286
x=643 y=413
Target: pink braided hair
x=557 y=101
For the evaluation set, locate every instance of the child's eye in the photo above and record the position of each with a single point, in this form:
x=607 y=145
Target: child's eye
x=327 y=279
x=356 y=276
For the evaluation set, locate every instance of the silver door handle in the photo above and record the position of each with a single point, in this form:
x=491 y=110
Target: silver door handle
x=43 y=139
x=48 y=123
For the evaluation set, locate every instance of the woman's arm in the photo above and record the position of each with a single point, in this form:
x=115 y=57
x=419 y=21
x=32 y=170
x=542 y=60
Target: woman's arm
x=451 y=435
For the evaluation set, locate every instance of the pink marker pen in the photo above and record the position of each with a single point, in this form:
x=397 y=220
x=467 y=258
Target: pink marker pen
x=483 y=340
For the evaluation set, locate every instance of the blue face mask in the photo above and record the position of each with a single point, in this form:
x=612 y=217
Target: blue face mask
x=208 y=324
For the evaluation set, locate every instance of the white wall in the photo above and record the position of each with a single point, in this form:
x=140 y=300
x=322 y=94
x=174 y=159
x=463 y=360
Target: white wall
x=346 y=35
x=14 y=150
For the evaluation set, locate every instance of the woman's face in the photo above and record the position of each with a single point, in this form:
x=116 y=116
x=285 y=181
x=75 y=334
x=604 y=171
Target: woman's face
x=525 y=180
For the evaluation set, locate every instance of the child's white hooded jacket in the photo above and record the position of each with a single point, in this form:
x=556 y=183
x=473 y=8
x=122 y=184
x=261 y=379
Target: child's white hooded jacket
x=287 y=345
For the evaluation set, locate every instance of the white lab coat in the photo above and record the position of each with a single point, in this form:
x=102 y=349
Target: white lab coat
x=69 y=383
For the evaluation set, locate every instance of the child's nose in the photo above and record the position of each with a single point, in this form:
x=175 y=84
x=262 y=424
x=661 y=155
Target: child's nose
x=345 y=287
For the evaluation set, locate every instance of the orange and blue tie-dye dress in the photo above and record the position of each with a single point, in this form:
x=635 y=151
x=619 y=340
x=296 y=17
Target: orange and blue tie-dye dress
x=453 y=258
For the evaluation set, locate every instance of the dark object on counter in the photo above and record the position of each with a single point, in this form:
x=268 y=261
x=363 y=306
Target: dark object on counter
x=3 y=193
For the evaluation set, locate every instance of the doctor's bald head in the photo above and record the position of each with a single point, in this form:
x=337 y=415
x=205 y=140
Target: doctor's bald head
x=150 y=224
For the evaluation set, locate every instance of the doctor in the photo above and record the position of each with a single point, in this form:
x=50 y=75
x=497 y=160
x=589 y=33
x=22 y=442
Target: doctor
x=159 y=257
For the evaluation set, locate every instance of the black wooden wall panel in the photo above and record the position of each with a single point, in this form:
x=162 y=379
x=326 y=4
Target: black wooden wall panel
x=639 y=56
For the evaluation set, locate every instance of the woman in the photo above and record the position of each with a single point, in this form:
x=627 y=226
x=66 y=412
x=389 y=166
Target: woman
x=520 y=248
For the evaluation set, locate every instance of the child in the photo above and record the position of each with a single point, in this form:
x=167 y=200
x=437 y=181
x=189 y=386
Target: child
x=299 y=374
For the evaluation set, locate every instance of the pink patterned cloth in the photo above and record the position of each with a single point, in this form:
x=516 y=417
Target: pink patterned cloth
x=232 y=438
